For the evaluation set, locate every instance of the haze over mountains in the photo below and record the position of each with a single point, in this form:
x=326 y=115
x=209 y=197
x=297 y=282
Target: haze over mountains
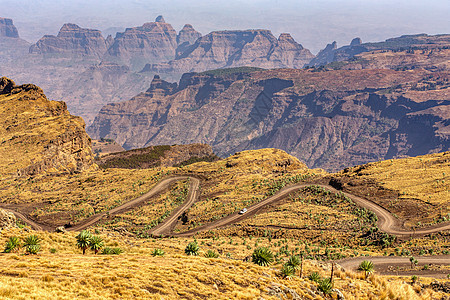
x=309 y=113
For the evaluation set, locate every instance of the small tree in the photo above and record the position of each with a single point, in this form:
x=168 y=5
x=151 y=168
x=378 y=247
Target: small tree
x=367 y=267
x=96 y=243
x=83 y=240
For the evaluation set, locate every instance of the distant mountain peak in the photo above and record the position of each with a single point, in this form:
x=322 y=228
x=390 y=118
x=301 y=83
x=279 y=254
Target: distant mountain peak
x=7 y=28
x=160 y=19
x=356 y=42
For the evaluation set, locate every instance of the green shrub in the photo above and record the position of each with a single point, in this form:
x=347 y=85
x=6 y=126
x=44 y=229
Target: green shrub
x=157 y=252
x=12 y=245
x=106 y=251
x=116 y=251
x=325 y=286
x=211 y=254
x=294 y=262
x=192 y=249
x=367 y=267
x=314 y=276
x=287 y=271
x=262 y=256
x=33 y=249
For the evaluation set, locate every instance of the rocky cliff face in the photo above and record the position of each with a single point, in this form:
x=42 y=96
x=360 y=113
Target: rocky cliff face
x=39 y=136
x=186 y=37
x=151 y=42
x=330 y=119
x=72 y=40
x=11 y=46
x=7 y=28
x=220 y=49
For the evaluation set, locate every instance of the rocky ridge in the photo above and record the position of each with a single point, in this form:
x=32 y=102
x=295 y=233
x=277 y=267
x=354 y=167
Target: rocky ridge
x=406 y=42
x=224 y=49
x=72 y=40
x=330 y=119
x=39 y=136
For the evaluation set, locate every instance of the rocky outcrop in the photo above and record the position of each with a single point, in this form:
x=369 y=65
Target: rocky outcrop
x=221 y=49
x=186 y=37
x=72 y=40
x=11 y=46
x=7 y=220
x=330 y=119
x=38 y=135
x=152 y=42
x=7 y=28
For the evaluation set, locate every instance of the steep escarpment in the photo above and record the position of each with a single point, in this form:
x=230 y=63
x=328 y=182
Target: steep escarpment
x=224 y=49
x=72 y=40
x=329 y=119
x=39 y=136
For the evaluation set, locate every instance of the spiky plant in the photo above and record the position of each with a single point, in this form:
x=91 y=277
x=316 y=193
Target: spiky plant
x=116 y=251
x=106 y=251
x=158 y=252
x=12 y=245
x=262 y=256
x=325 y=286
x=294 y=262
x=33 y=249
x=367 y=267
x=96 y=243
x=287 y=271
x=192 y=249
x=83 y=240
x=31 y=240
x=314 y=276
x=211 y=254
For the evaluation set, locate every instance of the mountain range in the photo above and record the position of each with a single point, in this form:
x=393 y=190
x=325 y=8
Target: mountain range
x=350 y=105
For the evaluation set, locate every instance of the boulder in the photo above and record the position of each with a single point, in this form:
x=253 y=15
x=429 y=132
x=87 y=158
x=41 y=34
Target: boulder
x=7 y=219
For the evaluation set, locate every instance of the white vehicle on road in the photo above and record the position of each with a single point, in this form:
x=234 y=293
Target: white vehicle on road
x=243 y=211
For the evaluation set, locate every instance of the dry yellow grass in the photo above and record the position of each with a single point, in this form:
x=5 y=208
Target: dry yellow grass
x=422 y=183
x=67 y=274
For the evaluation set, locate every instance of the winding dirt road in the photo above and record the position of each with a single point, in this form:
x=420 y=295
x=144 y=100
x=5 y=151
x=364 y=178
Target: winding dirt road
x=385 y=265
x=386 y=221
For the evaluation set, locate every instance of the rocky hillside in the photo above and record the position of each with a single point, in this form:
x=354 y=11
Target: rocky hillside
x=156 y=156
x=39 y=136
x=330 y=119
x=72 y=40
x=224 y=49
x=409 y=43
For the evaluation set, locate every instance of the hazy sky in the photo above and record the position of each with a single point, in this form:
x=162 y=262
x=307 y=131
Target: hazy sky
x=313 y=23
